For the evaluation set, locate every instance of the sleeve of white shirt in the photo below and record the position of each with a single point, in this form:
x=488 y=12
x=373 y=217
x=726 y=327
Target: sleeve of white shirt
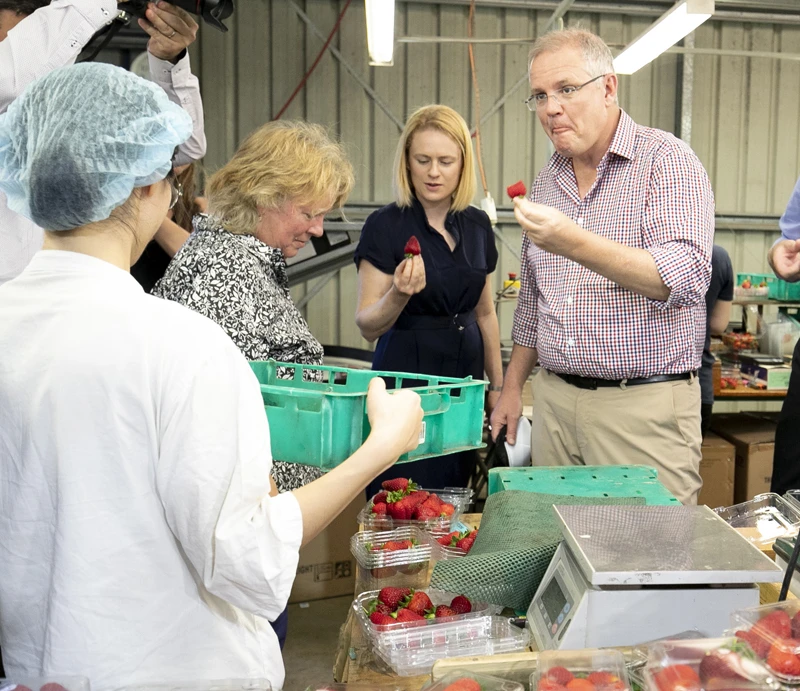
x=183 y=89
x=213 y=477
x=51 y=37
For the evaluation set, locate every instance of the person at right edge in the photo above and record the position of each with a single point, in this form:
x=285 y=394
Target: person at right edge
x=784 y=258
x=616 y=263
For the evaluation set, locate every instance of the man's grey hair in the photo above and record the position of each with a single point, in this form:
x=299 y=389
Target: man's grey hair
x=596 y=54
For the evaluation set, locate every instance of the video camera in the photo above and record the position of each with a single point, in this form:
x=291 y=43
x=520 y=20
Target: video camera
x=213 y=12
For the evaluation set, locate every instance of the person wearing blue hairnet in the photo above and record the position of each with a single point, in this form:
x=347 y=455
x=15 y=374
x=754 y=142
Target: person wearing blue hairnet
x=142 y=538
x=37 y=36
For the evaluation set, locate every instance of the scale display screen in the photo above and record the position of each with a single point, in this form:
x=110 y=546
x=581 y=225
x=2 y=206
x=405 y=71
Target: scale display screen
x=553 y=599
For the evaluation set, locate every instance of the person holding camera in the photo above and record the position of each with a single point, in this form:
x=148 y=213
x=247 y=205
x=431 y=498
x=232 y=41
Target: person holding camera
x=37 y=36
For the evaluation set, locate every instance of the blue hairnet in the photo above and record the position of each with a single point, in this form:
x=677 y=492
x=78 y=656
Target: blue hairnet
x=77 y=142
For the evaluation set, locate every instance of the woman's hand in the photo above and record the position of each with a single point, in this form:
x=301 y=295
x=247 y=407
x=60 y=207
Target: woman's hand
x=395 y=418
x=409 y=276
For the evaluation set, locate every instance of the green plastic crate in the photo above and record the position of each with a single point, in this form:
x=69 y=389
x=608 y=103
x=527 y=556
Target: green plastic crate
x=585 y=481
x=784 y=291
x=321 y=423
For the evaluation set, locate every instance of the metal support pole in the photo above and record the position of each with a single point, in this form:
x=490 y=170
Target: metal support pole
x=370 y=91
x=687 y=88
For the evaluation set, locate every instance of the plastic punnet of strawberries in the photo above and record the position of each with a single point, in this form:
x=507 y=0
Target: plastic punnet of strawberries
x=402 y=500
x=393 y=547
x=775 y=638
x=395 y=605
x=460 y=540
x=723 y=664
x=561 y=678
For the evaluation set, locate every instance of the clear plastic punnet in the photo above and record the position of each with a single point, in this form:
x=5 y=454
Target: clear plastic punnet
x=469 y=681
x=773 y=632
x=426 y=632
x=322 y=686
x=580 y=670
x=381 y=559
x=708 y=664
x=455 y=640
x=54 y=683
x=459 y=497
x=763 y=519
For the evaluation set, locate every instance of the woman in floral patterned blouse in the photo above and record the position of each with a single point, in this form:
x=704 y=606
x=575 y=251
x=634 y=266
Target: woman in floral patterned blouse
x=264 y=205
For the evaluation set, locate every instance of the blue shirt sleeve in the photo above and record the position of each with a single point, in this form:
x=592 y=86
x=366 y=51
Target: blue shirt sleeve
x=790 y=221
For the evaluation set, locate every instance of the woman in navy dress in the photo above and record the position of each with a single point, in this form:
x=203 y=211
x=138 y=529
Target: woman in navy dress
x=433 y=313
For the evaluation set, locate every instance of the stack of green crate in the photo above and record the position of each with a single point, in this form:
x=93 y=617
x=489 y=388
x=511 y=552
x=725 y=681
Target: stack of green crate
x=784 y=291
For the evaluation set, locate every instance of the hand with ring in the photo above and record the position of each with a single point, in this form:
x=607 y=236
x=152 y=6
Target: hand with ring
x=171 y=30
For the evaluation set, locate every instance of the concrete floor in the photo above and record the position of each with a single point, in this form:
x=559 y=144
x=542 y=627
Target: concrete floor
x=311 y=641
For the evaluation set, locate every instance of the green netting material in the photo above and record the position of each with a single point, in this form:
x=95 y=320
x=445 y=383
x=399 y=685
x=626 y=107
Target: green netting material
x=518 y=536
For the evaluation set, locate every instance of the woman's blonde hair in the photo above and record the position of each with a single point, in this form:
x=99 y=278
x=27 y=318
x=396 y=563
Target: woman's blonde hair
x=446 y=120
x=282 y=161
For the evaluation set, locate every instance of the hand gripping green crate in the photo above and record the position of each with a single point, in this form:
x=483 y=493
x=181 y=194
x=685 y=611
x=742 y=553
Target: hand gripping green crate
x=321 y=423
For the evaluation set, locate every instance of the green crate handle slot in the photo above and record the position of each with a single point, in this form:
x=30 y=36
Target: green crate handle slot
x=321 y=423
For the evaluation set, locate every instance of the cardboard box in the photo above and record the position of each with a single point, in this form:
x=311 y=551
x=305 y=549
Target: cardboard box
x=717 y=470
x=753 y=435
x=326 y=567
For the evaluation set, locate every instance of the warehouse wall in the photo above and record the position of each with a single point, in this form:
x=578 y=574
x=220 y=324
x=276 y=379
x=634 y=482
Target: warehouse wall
x=745 y=124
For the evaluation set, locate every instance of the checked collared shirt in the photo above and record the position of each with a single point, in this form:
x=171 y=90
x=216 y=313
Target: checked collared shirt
x=652 y=193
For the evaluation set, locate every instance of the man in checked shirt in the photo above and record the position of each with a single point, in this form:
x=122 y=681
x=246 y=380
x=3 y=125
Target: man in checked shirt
x=619 y=228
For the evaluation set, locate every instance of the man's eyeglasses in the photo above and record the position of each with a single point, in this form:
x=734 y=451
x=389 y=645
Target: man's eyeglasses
x=175 y=187
x=560 y=96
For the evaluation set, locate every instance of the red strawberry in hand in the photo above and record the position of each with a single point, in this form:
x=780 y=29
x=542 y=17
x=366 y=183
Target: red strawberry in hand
x=412 y=248
x=516 y=190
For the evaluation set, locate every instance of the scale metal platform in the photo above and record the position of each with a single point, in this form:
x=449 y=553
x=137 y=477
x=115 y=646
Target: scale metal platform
x=628 y=574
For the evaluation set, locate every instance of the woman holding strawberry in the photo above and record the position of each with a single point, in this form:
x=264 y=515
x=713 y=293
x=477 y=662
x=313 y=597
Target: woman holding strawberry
x=423 y=269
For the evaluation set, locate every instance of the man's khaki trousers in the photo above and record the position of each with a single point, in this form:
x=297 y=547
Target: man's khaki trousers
x=648 y=424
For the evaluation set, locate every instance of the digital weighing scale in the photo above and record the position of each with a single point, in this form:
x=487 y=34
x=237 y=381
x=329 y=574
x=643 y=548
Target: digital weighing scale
x=628 y=574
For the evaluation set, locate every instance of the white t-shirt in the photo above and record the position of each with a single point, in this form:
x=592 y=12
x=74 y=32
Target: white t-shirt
x=139 y=543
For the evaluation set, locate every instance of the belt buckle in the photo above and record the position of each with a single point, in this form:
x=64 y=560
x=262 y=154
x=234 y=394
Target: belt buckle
x=456 y=324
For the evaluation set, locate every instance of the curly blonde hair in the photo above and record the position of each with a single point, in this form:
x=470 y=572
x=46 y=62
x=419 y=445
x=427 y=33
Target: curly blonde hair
x=282 y=161
x=447 y=121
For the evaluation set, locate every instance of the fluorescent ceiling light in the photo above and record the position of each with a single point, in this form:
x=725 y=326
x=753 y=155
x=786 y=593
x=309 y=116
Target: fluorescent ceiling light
x=380 y=31
x=676 y=24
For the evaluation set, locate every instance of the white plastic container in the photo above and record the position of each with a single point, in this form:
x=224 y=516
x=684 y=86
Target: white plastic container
x=408 y=568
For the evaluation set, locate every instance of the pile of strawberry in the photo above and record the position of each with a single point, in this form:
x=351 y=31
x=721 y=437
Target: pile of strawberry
x=776 y=638
x=405 y=604
x=560 y=678
x=392 y=570
x=51 y=686
x=462 y=541
x=403 y=500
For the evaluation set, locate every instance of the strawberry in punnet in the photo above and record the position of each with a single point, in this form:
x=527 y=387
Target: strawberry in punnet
x=759 y=644
x=379 y=508
x=463 y=684
x=602 y=678
x=461 y=605
x=444 y=611
x=380 y=497
x=381 y=619
x=518 y=189
x=382 y=607
x=778 y=623
x=448 y=540
x=547 y=684
x=420 y=603
x=782 y=657
x=425 y=513
x=796 y=626
x=406 y=614
x=560 y=675
x=465 y=543
x=580 y=684
x=447 y=509
x=392 y=597
x=412 y=248
x=398 y=484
